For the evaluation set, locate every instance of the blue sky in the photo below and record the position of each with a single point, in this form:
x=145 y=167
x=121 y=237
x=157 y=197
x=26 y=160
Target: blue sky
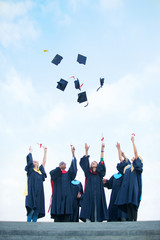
x=121 y=40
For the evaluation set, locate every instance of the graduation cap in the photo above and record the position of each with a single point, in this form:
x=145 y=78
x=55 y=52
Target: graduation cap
x=81 y=59
x=101 y=83
x=82 y=97
x=77 y=84
x=57 y=59
x=62 y=84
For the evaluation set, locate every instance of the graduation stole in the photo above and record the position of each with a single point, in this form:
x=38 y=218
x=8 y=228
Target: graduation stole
x=117 y=175
x=95 y=173
x=127 y=167
x=38 y=171
x=26 y=188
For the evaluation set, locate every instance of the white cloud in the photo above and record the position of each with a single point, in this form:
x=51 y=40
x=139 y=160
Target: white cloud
x=17 y=89
x=11 y=10
x=116 y=97
x=55 y=118
x=146 y=113
x=111 y=4
x=75 y=4
x=15 y=24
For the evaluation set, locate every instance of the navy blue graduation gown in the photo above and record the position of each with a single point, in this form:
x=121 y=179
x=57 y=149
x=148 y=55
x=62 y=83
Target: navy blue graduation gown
x=76 y=187
x=35 y=198
x=131 y=187
x=62 y=195
x=93 y=193
x=114 y=183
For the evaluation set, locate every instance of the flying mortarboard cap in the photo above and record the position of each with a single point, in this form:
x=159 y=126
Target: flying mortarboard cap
x=101 y=83
x=57 y=59
x=81 y=59
x=82 y=97
x=77 y=84
x=62 y=84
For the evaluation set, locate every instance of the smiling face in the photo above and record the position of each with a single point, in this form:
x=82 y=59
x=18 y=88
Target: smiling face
x=94 y=164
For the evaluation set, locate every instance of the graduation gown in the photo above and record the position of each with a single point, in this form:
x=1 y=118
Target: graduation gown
x=62 y=195
x=131 y=187
x=114 y=183
x=76 y=187
x=94 y=196
x=35 y=198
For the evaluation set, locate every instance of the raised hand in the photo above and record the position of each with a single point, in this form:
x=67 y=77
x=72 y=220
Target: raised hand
x=103 y=146
x=30 y=149
x=132 y=139
x=86 y=148
x=45 y=148
x=118 y=145
x=73 y=150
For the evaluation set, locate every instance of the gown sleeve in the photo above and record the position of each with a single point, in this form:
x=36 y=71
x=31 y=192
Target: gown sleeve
x=29 y=167
x=81 y=191
x=121 y=166
x=101 y=169
x=72 y=171
x=109 y=183
x=138 y=165
x=55 y=173
x=41 y=168
x=84 y=163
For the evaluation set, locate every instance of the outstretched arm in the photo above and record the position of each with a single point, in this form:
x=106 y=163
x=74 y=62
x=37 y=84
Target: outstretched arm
x=119 y=151
x=134 y=147
x=44 y=156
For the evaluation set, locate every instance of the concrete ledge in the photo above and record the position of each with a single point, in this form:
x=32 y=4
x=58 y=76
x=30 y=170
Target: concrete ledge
x=145 y=230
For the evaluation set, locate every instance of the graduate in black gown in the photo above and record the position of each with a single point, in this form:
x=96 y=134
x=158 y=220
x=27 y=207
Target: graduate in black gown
x=34 y=192
x=114 y=183
x=93 y=207
x=129 y=196
x=61 y=202
x=77 y=195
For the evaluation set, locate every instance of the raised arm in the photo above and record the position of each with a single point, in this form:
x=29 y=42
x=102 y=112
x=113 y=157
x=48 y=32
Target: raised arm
x=102 y=151
x=73 y=167
x=134 y=148
x=73 y=151
x=124 y=156
x=119 y=151
x=44 y=156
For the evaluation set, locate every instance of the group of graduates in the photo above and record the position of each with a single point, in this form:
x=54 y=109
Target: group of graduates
x=68 y=194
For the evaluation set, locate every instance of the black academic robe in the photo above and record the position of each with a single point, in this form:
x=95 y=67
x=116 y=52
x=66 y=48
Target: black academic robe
x=94 y=196
x=62 y=196
x=114 y=183
x=131 y=187
x=35 y=198
x=76 y=187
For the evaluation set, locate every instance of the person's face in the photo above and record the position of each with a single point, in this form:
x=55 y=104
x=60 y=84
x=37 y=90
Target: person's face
x=94 y=164
x=63 y=166
x=35 y=163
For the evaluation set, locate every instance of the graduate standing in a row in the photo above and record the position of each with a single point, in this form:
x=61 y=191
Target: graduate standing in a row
x=93 y=207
